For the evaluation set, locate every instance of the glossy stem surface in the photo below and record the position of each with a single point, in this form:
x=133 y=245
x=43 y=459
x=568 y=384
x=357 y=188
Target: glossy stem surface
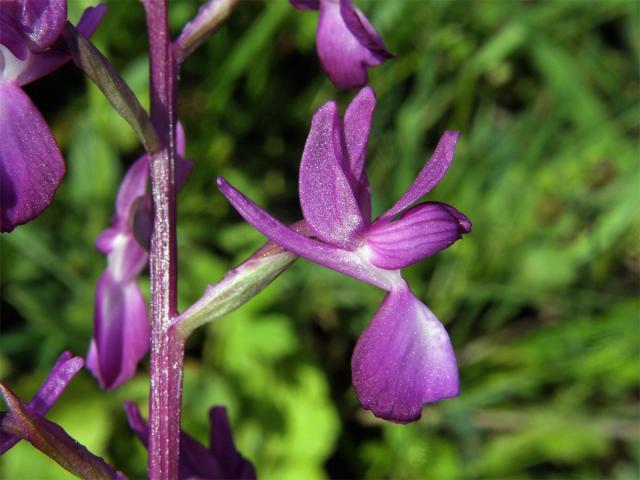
x=167 y=350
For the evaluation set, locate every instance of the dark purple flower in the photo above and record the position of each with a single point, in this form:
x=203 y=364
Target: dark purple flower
x=60 y=376
x=346 y=42
x=220 y=461
x=31 y=166
x=121 y=328
x=404 y=358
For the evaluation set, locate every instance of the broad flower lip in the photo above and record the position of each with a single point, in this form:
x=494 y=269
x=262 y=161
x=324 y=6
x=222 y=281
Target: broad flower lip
x=403 y=360
x=31 y=165
x=346 y=42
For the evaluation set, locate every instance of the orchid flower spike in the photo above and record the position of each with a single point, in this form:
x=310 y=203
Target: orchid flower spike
x=346 y=42
x=404 y=358
x=121 y=328
x=31 y=166
x=220 y=461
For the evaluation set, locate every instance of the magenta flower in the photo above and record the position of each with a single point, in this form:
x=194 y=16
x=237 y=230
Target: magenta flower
x=121 y=328
x=220 y=461
x=346 y=42
x=60 y=376
x=31 y=166
x=404 y=358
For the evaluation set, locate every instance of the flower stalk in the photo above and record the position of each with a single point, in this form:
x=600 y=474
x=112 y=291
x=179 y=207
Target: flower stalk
x=167 y=350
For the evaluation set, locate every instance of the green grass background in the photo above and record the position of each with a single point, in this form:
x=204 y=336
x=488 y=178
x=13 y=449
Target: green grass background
x=541 y=300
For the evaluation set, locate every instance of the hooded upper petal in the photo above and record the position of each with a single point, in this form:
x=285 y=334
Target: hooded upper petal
x=121 y=331
x=430 y=175
x=41 y=21
x=31 y=166
x=403 y=360
x=420 y=232
x=326 y=197
x=347 y=44
x=357 y=125
x=26 y=65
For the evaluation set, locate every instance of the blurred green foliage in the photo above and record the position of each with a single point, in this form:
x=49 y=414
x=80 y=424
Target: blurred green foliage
x=541 y=300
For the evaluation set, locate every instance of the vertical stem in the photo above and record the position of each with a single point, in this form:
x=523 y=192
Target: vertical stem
x=167 y=349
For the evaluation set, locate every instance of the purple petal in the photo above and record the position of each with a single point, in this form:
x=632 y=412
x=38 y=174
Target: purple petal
x=429 y=176
x=121 y=331
x=328 y=203
x=91 y=19
x=31 y=166
x=51 y=439
x=42 y=21
x=343 y=261
x=136 y=422
x=10 y=30
x=421 y=232
x=357 y=125
x=306 y=4
x=403 y=360
x=127 y=259
x=360 y=27
x=37 y=65
x=133 y=186
x=56 y=382
x=233 y=464
x=347 y=44
x=196 y=461
x=183 y=166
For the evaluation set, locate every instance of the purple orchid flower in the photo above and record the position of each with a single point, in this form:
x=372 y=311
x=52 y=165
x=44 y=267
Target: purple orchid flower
x=347 y=44
x=121 y=327
x=31 y=166
x=404 y=358
x=60 y=376
x=220 y=461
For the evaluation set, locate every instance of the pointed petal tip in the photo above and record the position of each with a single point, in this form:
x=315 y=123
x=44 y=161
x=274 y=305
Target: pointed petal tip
x=326 y=111
x=366 y=91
